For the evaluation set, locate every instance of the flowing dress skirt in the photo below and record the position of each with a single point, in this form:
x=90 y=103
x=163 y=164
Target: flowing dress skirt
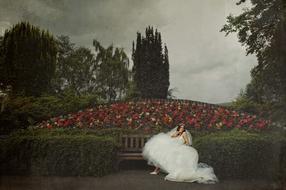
x=178 y=160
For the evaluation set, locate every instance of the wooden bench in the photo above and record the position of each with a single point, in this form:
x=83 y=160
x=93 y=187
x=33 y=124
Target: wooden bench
x=131 y=147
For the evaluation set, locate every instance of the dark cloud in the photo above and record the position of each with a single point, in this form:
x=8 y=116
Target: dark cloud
x=103 y=19
x=204 y=64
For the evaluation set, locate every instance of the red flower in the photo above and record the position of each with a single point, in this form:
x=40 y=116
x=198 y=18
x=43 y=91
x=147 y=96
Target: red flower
x=49 y=126
x=157 y=112
x=190 y=120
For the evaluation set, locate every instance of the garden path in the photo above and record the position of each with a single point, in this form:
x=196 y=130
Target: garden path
x=124 y=179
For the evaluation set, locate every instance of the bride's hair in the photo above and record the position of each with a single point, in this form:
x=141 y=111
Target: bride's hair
x=181 y=125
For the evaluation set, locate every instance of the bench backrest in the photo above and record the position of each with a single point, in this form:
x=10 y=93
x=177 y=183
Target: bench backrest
x=133 y=143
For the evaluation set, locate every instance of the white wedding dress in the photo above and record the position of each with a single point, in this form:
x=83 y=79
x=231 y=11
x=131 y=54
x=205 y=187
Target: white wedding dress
x=178 y=160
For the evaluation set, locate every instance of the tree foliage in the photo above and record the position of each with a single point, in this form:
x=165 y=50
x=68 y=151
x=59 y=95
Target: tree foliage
x=1 y=54
x=262 y=30
x=112 y=73
x=75 y=68
x=28 y=58
x=150 y=65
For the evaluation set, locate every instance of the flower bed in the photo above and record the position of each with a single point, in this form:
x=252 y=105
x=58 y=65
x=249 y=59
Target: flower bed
x=150 y=113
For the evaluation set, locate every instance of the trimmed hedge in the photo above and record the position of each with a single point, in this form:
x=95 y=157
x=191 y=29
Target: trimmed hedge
x=233 y=154
x=113 y=132
x=239 y=154
x=105 y=132
x=58 y=155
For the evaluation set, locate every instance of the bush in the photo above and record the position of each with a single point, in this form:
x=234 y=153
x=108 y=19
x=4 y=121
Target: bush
x=73 y=155
x=245 y=105
x=239 y=154
x=20 y=112
x=233 y=154
x=105 y=132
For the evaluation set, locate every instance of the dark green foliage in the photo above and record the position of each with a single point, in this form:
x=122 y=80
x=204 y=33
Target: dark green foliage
x=150 y=65
x=75 y=69
x=239 y=154
x=80 y=71
x=276 y=112
x=20 y=112
x=28 y=60
x=131 y=91
x=105 y=132
x=84 y=155
x=234 y=154
x=112 y=72
x=262 y=30
x=1 y=58
x=245 y=104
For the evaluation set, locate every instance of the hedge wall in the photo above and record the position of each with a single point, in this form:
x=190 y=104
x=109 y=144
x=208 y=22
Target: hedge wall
x=58 y=155
x=233 y=154
x=239 y=154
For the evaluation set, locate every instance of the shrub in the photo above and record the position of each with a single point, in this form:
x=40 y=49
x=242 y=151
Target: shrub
x=232 y=154
x=21 y=112
x=73 y=155
x=105 y=132
x=239 y=154
x=245 y=105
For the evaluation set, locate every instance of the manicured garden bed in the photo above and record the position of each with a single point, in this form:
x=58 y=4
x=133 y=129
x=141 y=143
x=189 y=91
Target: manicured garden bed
x=150 y=113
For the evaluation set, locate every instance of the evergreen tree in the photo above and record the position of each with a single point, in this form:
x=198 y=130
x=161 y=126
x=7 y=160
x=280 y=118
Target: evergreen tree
x=29 y=58
x=1 y=61
x=166 y=73
x=150 y=65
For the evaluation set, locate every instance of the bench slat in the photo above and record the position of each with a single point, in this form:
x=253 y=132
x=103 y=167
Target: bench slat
x=126 y=143
x=132 y=146
x=133 y=142
x=142 y=141
x=137 y=143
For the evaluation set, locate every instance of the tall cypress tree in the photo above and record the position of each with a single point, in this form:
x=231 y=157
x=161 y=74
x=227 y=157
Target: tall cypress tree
x=29 y=58
x=166 y=73
x=150 y=65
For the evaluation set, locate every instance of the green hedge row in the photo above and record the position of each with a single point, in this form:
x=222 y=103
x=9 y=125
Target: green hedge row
x=239 y=154
x=105 y=132
x=113 y=132
x=58 y=155
x=233 y=154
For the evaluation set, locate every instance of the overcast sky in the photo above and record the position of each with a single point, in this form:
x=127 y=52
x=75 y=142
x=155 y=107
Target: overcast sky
x=204 y=64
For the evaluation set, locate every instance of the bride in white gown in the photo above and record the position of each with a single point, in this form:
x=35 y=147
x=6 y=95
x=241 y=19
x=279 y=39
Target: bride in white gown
x=173 y=154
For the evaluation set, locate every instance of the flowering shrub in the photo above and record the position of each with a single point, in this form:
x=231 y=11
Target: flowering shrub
x=150 y=113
